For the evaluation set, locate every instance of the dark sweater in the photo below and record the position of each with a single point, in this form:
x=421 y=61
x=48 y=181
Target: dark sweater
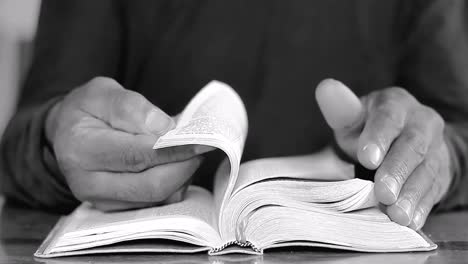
x=273 y=53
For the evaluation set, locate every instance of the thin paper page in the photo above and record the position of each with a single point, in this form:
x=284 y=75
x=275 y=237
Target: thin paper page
x=357 y=230
x=198 y=204
x=321 y=166
x=335 y=196
x=216 y=117
x=221 y=185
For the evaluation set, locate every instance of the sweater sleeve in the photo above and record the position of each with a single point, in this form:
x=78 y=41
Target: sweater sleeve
x=76 y=41
x=434 y=67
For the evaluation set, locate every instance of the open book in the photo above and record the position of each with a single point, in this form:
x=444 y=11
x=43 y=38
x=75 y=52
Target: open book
x=311 y=200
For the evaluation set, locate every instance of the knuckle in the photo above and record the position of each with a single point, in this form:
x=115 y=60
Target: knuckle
x=135 y=98
x=127 y=103
x=101 y=81
x=413 y=193
x=398 y=93
x=134 y=159
x=85 y=92
x=399 y=169
x=440 y=122
x=96 y=87
x=390 y=111
x=434 y=117
x=431 y=169
x=416 y=143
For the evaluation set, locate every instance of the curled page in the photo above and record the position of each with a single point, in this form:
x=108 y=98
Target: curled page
x=215 y=117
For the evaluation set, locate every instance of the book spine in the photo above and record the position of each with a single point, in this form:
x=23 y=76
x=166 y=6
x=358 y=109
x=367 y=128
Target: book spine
x=241 y=239
x=237 y=243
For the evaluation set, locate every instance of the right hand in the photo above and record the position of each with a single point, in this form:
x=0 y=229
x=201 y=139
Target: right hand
x=102 y=136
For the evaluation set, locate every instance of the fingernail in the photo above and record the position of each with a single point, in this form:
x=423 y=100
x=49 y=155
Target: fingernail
x=373 y=153
x=391 y=184
x=158 y=122
x=200 y=149
x=405 y=206
x=417 y=220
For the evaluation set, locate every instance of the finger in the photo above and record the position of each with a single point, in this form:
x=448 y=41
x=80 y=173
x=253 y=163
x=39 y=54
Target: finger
x=423 y=209
x=405 y=154
x=340 y=107
x=112 y=205
x=99 y=148
x=386 y=119
x=109 y=205
x=123 y=109
x=176 y=118
x=415 y=188
x=179 y=195
x=150 y=186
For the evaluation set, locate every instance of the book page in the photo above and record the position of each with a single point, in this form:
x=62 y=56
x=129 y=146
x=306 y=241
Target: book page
x=191 y=220
x=321 y=166
x=365 y=230
x=197 y=204
x=215 y=117
x=320 y=180
x=334 y=196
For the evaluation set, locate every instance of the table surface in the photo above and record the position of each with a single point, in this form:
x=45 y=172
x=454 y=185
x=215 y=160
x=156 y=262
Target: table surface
x=22 y=230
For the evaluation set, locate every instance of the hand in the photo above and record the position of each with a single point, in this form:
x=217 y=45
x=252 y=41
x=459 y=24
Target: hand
x=391 y=132
x=102 y=136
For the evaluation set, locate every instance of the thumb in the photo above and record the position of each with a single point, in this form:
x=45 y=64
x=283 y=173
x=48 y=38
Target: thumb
x=344 y=113
x=341 y=108
x=124 y=109
x=158 y=122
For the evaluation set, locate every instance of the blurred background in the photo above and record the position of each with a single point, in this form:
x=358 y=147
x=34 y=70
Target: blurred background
x=18 y=21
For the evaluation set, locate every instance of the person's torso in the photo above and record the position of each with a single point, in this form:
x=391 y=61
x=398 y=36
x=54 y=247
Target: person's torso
x=273 y=53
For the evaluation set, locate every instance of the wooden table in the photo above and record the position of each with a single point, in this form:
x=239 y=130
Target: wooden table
x=22 y=230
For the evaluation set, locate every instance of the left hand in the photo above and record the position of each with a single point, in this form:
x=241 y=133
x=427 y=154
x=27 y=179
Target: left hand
x=391 y=132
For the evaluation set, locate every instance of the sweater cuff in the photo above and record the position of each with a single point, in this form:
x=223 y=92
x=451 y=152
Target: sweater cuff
x=56 y=178
x=33 y=176
x=456 y=195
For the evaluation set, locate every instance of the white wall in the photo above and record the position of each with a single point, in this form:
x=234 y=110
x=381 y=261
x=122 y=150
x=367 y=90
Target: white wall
x=18 y=20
